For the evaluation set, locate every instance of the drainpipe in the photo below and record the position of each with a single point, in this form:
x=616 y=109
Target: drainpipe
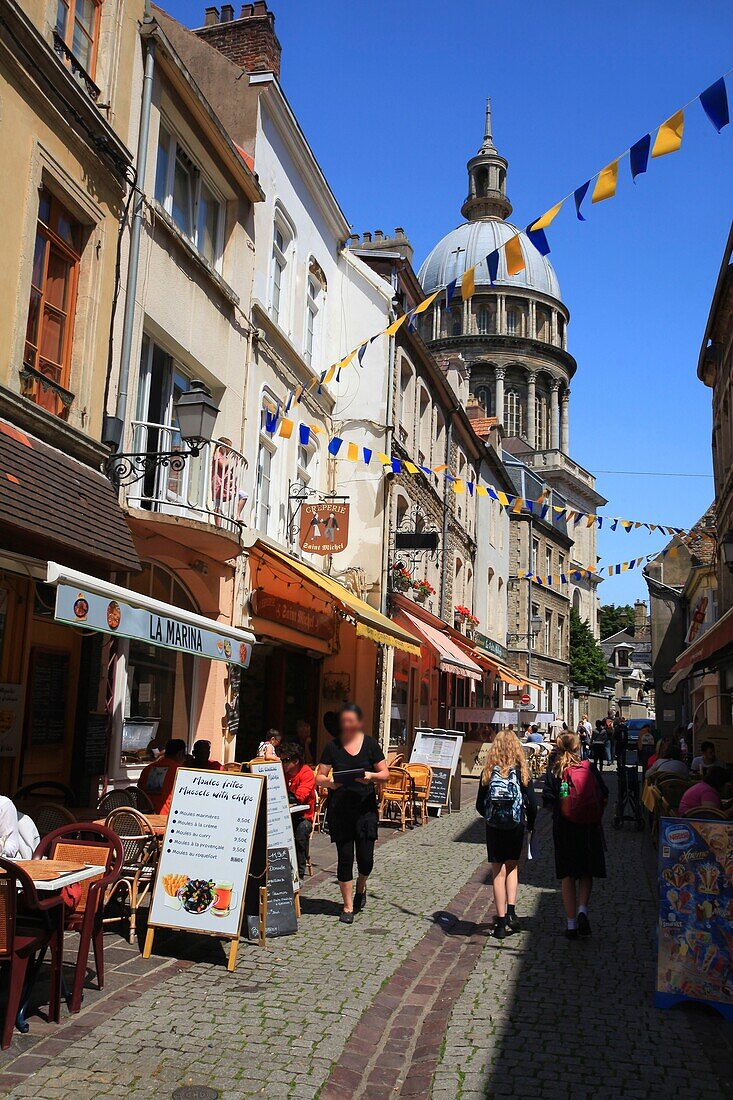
x=444 y=565
x=387 y=481
x=114 y=426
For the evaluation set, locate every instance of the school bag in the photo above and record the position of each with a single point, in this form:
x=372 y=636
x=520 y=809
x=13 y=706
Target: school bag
x=582 y=800
x=504 y=800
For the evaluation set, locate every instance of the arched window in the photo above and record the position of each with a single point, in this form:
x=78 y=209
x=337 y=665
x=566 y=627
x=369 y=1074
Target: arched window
x=576 y=601
x=425 y=426
x=400 y=511
x=283 y=239
x=512 y=321
x=483 y=396
x=513 y=413
x=543 y=325
x=482 y=181
x=456 y=326
x=540 y=422
x=439 y=449
x=458 y=583
x=485 y=320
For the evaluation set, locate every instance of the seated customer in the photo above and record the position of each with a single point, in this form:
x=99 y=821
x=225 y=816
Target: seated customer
x=301 y=784
x=706 y=792
x=534 y=736
x=18 y=833
x=668 y=763
x=158 y=778
x=201 y=757
x=268 y=749
x=706 y=759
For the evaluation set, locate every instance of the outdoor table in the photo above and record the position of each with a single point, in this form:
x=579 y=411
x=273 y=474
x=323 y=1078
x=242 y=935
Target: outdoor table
x=298 y=809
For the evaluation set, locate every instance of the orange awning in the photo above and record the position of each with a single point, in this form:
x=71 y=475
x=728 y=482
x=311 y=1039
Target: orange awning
x=451 y=657
x=719 y=636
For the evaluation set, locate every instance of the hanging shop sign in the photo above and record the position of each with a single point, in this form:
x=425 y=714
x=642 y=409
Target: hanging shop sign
x=267 y=606
x=80 y=607
x=324 y=527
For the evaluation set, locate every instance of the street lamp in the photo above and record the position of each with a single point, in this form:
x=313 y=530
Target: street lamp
x=196 y=412
x=726 y=547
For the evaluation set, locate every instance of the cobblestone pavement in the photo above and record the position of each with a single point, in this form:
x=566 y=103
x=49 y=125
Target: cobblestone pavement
x=414 y=999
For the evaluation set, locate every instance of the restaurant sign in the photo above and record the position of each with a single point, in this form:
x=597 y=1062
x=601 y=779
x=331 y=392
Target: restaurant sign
x=324 y=527
x=287 y=613
x=114 y=616
x=491 y=646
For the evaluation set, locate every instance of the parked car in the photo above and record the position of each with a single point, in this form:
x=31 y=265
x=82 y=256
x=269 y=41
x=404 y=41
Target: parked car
x=634 y=725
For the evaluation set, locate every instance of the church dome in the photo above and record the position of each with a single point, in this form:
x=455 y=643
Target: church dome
x=469 y=244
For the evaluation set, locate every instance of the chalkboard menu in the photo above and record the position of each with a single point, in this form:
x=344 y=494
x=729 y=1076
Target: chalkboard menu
x=439 y=787
x=441 y=750
x=49 y=694
x=95 y=756
x=281 y=918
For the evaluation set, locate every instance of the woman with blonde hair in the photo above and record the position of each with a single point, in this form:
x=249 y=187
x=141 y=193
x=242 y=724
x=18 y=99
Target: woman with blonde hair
x=576 y=793
x=506 y=801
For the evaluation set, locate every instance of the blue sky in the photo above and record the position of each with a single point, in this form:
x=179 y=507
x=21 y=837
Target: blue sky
x=391 y=98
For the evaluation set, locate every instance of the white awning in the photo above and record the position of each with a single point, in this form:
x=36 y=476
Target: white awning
x=94 y=604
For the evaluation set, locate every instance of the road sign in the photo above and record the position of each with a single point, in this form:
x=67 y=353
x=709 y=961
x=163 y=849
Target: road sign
x=525 y=700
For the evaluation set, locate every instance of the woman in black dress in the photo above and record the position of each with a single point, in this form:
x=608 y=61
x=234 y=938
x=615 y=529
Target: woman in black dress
x=506 y=801
x=579 y=849
x=352 y=804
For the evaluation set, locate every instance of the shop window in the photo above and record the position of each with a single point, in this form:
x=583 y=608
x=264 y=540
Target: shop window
x=77 y=26
x=191 y=202
x=50 y=326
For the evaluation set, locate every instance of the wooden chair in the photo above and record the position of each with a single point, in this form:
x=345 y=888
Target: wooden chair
x=421 y=776
x=140 y=847
x=232 y=766
x=94 y=844
x=321 y=803
x=394 y=759
x=396 y=795
x=49 y=816
x=21 y=940
x=139 y=800
x=112 y=799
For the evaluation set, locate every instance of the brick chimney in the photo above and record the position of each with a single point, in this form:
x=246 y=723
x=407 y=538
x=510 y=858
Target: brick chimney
x=249 y=41
x=639 y=618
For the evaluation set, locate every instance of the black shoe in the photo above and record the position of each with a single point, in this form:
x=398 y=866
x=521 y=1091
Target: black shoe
x=583 y=925
x=346 y=918
x=360 y=900
x=499 y=930
x=512 y=923
x=571 y=933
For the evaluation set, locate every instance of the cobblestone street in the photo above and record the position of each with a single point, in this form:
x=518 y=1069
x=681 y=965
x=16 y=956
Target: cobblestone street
x=414 y=1000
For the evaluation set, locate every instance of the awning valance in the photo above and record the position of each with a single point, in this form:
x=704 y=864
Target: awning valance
x=94 y=604
x=452 y=658
x=507 y=675
x=718 y=637
x=370 y=623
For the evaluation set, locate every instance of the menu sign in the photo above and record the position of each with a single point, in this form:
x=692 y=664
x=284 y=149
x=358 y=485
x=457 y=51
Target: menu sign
x=279 y=818
x=695 y=943
x=441 y=750
x=281 y=916
x=324 y=528
x=201 y=880
x=48 y=696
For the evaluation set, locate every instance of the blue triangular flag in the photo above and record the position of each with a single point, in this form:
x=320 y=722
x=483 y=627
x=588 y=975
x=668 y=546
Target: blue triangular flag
x=367 y=454
x=449 y=292
x=538 y=237
x=334 y=445
x=469 y=486
x=579 y=195
x=492 y=262
x=639 y=156
x=397 y=465
x=715 y=104
x=361 y=353
x=305 y=434
x=270 y=421
x=614 y=525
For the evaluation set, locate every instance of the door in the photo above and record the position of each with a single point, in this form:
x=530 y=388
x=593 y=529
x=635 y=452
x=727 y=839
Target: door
x=162 y=382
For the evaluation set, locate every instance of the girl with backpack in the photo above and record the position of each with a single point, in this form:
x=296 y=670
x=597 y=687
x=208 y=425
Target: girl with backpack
x=506 y=801
x=576 y=793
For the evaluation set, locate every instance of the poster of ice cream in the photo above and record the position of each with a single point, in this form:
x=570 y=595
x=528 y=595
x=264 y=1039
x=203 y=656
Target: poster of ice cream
x=695 y=952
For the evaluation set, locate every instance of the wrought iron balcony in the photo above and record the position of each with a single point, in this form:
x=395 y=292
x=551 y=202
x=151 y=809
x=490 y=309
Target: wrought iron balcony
x=77 y=69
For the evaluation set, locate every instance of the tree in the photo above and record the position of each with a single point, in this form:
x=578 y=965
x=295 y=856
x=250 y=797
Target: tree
x=587 y=663
x=615 y=617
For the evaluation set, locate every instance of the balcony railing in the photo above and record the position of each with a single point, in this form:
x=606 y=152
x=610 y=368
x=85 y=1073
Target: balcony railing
x=77 y=69
x=208 y=487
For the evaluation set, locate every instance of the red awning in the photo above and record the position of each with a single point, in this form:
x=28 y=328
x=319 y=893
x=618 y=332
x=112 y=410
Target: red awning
x=716 y=638
x=452 y=658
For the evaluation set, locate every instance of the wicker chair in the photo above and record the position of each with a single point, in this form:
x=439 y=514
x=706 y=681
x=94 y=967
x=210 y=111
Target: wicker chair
x=21 y=939
x=671 y=790
x=319 y=817
x=421 y=776
x=45 y=791
x=97 y=845
x=141 y=849
x=395 y=759
x=49 y=816
x=396 y=795
x=139 y=800
x=112 y=799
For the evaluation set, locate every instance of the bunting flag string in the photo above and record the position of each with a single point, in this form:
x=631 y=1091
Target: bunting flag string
x=554 y=580
x=668 y=139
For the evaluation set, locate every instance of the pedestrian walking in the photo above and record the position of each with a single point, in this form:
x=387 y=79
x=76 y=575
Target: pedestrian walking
x=609 y=739
x=598 y=744
x=585 y=732
x=506 y=800
x=577 y=795
x=358 y=763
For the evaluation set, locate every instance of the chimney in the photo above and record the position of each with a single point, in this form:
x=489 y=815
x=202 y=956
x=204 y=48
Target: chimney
x=378 y=235
x=639 y=618
x=367 y=238
x=249 y=41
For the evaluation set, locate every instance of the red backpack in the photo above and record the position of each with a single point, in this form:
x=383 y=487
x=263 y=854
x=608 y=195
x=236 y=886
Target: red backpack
x=582 y=800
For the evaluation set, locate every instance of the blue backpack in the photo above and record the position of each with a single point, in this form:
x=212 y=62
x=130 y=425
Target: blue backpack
x=504 y=807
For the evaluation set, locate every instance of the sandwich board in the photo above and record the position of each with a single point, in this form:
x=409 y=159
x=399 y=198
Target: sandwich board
x=280 y=837
x=441 y=750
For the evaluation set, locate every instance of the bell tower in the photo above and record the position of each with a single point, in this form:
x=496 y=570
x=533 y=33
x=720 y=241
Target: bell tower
x=487 y=180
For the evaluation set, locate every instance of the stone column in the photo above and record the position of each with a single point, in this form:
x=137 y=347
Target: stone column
x=554 y=416
x=553 y=326
x=499 y=376
x=531 y=394
x=564 y=421
x=436 y=320
x=532 y=334
x=501 y=314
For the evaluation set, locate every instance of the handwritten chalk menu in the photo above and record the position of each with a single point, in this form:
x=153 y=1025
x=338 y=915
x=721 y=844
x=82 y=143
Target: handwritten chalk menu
x=279 y=819
x=281 y=918
x=48 y=696
x=201 y=879
x=441 y=750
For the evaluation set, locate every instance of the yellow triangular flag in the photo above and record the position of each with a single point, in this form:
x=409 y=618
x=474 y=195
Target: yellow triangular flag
x=482 y=490
x=352 y=452
x=439 y=469
x=395 y=325
x=518 y=504
x=411 y=467
x=514 y=256
x=546 y=219
x=458 y=486
x=329 y=374
x=427 y=303
x=624 y=566
x=347 y=359
x=605 y=187
x=502 y=498
x=384 y=459
x=468 y=283
x=590 y=521
x=286 y=428
x=669 y=135
x=315 y=428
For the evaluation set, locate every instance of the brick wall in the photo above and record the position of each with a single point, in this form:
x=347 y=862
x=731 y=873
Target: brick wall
x=249 y=41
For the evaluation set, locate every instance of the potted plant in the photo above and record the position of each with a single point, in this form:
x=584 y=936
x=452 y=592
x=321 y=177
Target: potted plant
x=401 y=579
x=422 y=589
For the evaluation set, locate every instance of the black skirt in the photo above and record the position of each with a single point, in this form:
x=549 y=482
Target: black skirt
x=352 y=816
x=579 y=849
x=504 y=845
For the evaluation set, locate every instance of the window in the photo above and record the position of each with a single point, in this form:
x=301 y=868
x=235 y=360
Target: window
x=425 y=420
x=512 y=322
x=535 y=556
x=543 y=325
x=407 y=402
x=77 y=25
x=307 y=462
x=548 y=633
x=455 y=323
x=162 y=382
x=540 y=422
x=485 y=320
x=282 y=239
x=315 y=295
x=439 y=449
x=187 y=197
x=483 y=396
x=560 y=635
x=513 y=413
x=49 y=330
x=264 y=485
x=548 y=559
x=562 y=563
